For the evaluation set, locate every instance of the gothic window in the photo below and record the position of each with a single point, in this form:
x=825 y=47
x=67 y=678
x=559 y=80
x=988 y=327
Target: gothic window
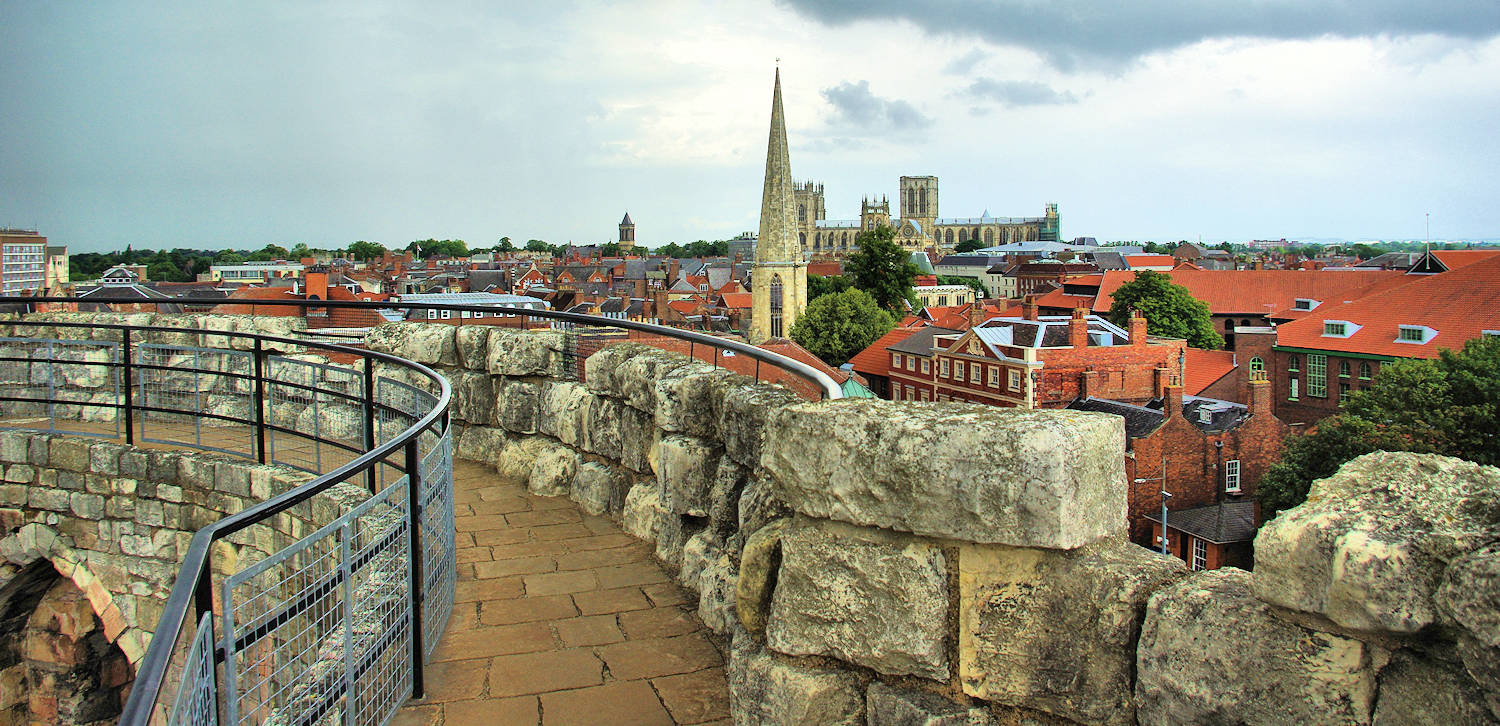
x=975 y=235
x=1364 y=371
x=776 y=306
x=948 y=237
x=803 y=236
x=801 y=212
x=989 y=236
x=911 y=203
x=1257 y=365
x=923 y=199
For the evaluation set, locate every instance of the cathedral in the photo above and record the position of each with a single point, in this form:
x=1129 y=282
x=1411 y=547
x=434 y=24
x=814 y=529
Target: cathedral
x=919 y=225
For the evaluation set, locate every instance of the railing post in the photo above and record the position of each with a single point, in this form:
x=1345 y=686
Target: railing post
x=126 y=373
x=259 y=361
x=370 y=474
x=414 y=511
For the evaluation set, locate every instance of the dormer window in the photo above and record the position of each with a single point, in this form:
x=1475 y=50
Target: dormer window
x=1303 y=303
x=1205 y=415
x=1339 y=328
x=1414 y=334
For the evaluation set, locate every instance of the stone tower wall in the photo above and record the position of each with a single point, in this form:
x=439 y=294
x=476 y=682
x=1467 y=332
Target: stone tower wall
x=870 y=562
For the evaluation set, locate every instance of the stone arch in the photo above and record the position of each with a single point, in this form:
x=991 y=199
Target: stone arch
x=974 y=234
x=802 y=237
x=989 y=236
x=37 y=542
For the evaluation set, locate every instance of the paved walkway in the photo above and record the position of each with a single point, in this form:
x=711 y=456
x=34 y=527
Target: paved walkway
x=561 y=618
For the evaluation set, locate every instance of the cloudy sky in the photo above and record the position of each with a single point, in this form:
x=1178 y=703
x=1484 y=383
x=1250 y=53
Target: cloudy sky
x=209 y=124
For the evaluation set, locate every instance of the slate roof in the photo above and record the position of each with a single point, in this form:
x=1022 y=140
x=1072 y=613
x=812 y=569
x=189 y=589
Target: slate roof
x=1223 y=523
x=921 y=342
x=1109 y=260
x=1221 y=415
x=1139 y=420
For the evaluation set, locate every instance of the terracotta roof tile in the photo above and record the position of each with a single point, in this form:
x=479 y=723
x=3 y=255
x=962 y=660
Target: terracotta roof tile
x=736 y=299
x=874 y=360
x=1204 y=367
x=1259 y=292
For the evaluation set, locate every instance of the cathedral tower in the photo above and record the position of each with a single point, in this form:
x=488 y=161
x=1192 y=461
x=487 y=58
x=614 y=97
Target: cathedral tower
x=627 y=234
x=919 y=200
x=779 y=278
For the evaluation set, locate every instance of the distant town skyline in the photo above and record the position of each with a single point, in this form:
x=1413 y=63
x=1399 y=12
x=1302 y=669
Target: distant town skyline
x=185 y=125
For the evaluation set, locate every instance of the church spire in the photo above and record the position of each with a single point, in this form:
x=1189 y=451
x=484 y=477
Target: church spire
x=778 y=240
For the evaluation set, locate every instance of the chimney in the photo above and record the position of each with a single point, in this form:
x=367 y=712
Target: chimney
x=1028 y=308
x=672 y=266
x=1259 y=399
x=1090 y=383
x=1078 y=329
x=977 y=315
x=1172 y=403
x=1137 y=329
x=317 y=285
x=659 y=304
x=1163 y=379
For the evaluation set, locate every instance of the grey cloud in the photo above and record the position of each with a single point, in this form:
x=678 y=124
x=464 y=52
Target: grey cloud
x=1070 y=31
x=857 y=106
x=961 y=65
x=1020 y=93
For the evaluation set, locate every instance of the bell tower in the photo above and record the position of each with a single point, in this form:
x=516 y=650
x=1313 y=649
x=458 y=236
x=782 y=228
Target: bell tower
x=778 y=280
x=627 y=234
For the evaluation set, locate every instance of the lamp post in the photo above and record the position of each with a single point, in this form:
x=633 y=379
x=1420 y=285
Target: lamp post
x=1165 y=495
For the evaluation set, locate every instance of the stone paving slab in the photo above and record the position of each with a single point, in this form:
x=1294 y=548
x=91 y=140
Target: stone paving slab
x=560 y=618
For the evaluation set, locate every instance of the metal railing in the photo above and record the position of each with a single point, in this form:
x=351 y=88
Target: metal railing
x=337 y=623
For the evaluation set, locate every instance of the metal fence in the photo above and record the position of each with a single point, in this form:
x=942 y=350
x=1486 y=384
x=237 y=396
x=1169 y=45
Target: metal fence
x=335 y=626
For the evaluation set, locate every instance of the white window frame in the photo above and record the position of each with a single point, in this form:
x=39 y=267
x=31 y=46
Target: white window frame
x=958 y=370
x=942 y=368
x=1292 y=390
x=911 y=393
x=911 y=363
x=1013 y=377
x=895 y=360
x=432 y=314
x=1200 y=554
x=994 y=377
x=445 y=314
x=926 y=366
x=1232 y=476
x=976 y=373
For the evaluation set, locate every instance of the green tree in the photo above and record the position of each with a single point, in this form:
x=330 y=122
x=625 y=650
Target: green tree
x=536 y=245
x=228 y=257
x=166 y=271
x=504 y=245
x=967 y=246
x=1170 y=310
x=820 y=285
x=672 y=249
x=882 y=268
x=433 y=247
x=609 y=249
x=1448 y=406
x=269 y=252
x=362 y=250
x=836 y=326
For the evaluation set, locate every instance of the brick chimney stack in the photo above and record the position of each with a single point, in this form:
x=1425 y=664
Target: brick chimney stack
x=1172 y=403
x=1028 y=307
x=1137 y=330
x=1163 y=379
x=977 y=315
x=1089 y=384
x=1078 y=329
x=1259 y=400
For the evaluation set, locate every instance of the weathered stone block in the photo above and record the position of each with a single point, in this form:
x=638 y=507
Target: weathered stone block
x=517 y=405
x=479 y=443
x=716 y=584
x=596 y=487
x=600 y=367
x=698 y=553
x=1051 y=479
x=868 y=597
x=769 y=689
x=1369 y=546
x=690 y=399
x=602 y=428
x=68 y=454
x=759 y=561
x=729 y=482
x=1056 y=631
x=643 y=511
x=673 y=535
x=686 y=473
x=526 y=352
x=473 y=343
x=746 y=411
x=474 y=398
x=1428 y=689
x=1469 y=594
x=552 y=471
x=635 y=379
x=638 y=435
x=1210 y=652
x=887 y=706
x=564 y=411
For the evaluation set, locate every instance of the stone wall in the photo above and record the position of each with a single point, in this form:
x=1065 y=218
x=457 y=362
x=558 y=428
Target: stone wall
x=881 y=563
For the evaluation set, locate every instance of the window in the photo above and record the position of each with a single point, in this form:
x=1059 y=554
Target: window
x=1294 y=362
x=1200 y=554
x=896 y=393
x=924 y=394
x=958 y=370
x=926 y=366
x=432 y=315
x=1317 y=375
x=1339 y=328
x=1410 y=333
x=911 y=394
x=1364 y=371
x=1343 y=369
x=463 y=313
x=994 y=377
x=895 y=360
x=1014 y=379
x=1232 y=476
x=1414 y=334
x=1257 y=365
x=1333 y=329
x=1205 y=415
x=974 y=373
x=446 y=314
x=1291 y=390
x=942 y=398
x=911 y=363
x=1303 y=303
x=943 y=368
x=1343 y=393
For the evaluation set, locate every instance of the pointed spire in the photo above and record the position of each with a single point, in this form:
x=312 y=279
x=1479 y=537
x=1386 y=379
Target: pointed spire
x=778 y=240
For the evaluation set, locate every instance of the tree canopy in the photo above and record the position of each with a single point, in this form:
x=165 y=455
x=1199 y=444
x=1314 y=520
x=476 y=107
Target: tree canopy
x=839 y=324
x=1171 y=311
x=362 y=250
x=973 y=282
x=820 y=285
x=881 y=267
x=967 y=246
x=1448 y=406
x=504 y=245
x=426 y=248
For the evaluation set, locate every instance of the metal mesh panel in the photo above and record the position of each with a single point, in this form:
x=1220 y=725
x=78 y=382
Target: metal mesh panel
x=212 y=383
x=321 y=631
x=197 y=700
x=439 y=563
x=322 y=403
x=72 y=383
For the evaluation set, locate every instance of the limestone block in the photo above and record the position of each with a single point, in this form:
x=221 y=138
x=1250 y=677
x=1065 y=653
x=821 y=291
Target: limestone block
x=596 y=487
x=638 y=435
x=672 y=537
x=104 y=457
x=1428 y=689
x=474 y=398
x=635 y=379
x=68 y=454
x=19 y=474
x=526 y=352
x=715 y=588
x=552 y=471
x=386 y=338
x=643 y=511
x=602 y=428
x=1210 y=652
x=888 y=706
x=1469 y=594
x=55 y=500
x=743 y=421
x=1052 y=479
x=517 y=456
x=757 y=577
x=1483 y=665
x=1056 y=631
x=868 y=597
x=690 y=399
x=759 y=505
x=479 y=443
x=600 y=367
x=700 y=551
x=13 y=445
x=564 y=411
x=729 y=482
x=517 y=405
x=429 y=343
x=768 y=689
x=687 y=470
x=1369 y=546
x=473 y=343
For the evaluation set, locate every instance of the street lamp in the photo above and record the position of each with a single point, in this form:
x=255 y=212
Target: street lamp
x=1165 y=495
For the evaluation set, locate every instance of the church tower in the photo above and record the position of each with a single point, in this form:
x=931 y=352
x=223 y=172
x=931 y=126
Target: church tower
x=627 y=234
x=778 y=292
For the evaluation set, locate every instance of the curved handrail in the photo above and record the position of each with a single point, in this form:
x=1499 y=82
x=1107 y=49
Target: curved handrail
x=151 y=672
x=827 y=385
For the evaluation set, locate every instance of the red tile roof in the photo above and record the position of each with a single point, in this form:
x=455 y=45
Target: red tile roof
x=1459 y=304
x=261 y=293
x=791 y=349
x=1058 y=299
x=1150 y=260
x=825 y=268
x=736 y=299
x=1454 y=259
x=1203 y=368
x=1259 y=292
x=874 y=360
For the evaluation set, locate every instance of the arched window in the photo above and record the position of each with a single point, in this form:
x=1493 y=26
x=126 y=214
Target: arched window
x=801 y=212
x=1229 y=326
x=803 y=237
x=1343 y=369
x=776 y=306
x=975 y=235
x=911 y=203
x=989 y=236
x=1364 y=371
x=1257 y=366
x=1245 y=323
x=948 y=237
x=924 y=202
x=1294 y=362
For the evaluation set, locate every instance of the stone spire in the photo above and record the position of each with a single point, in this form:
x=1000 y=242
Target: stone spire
x=778 y=240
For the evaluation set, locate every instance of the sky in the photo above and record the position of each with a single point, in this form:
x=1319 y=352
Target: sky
x=231 y=124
